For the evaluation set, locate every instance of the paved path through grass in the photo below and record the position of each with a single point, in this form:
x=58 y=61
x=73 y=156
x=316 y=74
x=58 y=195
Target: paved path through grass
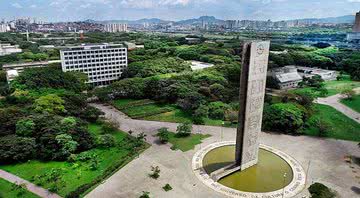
x=29 y=186
x=334 y=101
x=326 y=158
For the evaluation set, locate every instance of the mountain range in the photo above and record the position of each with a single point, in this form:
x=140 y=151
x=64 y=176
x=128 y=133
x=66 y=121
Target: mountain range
x=212 y=19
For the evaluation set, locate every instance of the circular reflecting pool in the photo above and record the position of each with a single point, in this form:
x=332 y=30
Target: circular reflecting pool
x=266 y=176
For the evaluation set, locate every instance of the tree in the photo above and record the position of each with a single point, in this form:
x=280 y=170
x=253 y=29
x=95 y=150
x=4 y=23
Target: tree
x=67 y=143
x=283 y=117
x=232 y=116
x=318 y=190
x=25 y=127
x=184 y=129
x=217 y=110
x=50 y=103
x=164 y=135
x=16 y=149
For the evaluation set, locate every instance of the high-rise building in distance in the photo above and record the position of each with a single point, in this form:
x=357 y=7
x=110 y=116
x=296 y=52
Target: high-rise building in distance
x=102 y=63
x=357 y=23
x=355 y=35
x=116 y=27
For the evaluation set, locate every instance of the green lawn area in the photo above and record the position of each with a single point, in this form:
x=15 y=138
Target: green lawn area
x=78 y=173
x=7 y=191
x=354 y=103
x=340 y=126
x=176 y=115
x=150 y=110
x=333 y=87
x=186 y=143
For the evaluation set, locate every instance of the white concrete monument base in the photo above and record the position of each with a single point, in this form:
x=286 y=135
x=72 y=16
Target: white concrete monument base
x=295 y=186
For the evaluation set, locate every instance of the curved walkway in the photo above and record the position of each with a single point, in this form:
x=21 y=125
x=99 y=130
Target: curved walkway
x=29 y=186
x=334 y=101
x=325 y=156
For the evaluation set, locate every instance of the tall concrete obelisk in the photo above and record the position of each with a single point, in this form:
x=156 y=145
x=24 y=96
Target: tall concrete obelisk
x=252 y=93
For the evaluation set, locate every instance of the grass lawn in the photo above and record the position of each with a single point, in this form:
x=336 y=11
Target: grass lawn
x=186 y=143
x=76 y=174
x=177 y=116
x=333 y=87
x=150 y=110
x=6 y=191
x=354 y=103
x=340 y=126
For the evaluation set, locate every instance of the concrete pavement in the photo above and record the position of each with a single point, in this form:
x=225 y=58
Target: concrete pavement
x=29 y=186
x=334 y=101
x=325 y=157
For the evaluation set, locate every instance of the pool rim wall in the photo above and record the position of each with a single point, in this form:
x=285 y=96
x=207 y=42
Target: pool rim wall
x=296 y=185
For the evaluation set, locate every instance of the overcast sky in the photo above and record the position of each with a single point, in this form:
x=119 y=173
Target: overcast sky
x=70 y=10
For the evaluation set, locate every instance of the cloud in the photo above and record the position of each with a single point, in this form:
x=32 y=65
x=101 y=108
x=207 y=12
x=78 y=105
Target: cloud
x=17 y=5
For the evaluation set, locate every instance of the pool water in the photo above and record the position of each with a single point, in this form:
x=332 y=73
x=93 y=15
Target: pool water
x=266 y=176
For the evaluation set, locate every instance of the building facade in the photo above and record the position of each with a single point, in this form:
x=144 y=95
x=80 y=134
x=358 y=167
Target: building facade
x=13 y=70
x=4 y=28
x=286 y=77
x=355 y=35
x=6 y=49
x=103 y=63
x=116 y=27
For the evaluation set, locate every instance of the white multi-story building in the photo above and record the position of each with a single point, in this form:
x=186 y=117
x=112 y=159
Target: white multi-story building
x=4 y=28
x=6 y=49
x=116 y=27
x=102 y=63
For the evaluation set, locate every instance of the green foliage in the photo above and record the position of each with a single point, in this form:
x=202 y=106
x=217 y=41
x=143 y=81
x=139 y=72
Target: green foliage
x=217 y=110
x=184 y=129
x=67 y=143
x=157 y=66
x=29 y=56
x=318 y=190
x=348 y=94
x=167 y=187
x=50 y=103
x=155 y=172
x=283 y=117
x=106 y=141
x=16 y=149
x=25 y=127
x=163 y=134
x=53 y=178
x=50 y=77
x=145 y=195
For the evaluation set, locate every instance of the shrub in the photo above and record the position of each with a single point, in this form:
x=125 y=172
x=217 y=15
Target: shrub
x=217 y=110
x=167 y=187
x=348 y=94
x=25 y=127
x=16 y=149
x=184 y=129
x=318 y=190
x=155 y=172
x=106 y=141
x=283 y=117
x=145 y=195
x=163 y=135
x=68 y=145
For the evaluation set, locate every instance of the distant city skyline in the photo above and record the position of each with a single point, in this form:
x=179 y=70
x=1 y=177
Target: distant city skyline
x=77 y=10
